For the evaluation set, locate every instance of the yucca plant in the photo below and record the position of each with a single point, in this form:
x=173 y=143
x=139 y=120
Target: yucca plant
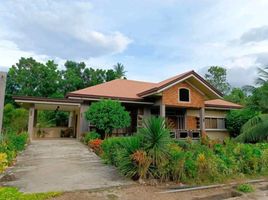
x=124 y=157
x=254 y=130
x=156 y=138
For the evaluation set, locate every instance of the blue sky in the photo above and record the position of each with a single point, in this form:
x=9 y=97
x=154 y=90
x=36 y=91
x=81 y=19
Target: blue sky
x=154 y=39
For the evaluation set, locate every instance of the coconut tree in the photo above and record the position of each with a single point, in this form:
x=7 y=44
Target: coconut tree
x=263 y=75
x=119 y=70
x=254 y=130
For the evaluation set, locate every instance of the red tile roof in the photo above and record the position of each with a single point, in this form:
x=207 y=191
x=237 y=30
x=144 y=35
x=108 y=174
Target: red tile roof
x=135 y=90
x=116 y=89
x=220 y=103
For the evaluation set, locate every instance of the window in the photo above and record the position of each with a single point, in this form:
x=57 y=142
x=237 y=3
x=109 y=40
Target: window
x=184 y=95
x=215 y=123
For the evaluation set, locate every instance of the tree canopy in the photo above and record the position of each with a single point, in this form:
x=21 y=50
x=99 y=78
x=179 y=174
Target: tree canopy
x=216 y=76
x=32 y=78
x=108 y=115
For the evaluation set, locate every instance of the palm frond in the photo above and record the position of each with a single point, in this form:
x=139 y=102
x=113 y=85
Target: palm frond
x=254 y=130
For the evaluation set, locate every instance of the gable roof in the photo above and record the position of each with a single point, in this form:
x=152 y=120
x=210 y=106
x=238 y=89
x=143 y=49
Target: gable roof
x=176 y=79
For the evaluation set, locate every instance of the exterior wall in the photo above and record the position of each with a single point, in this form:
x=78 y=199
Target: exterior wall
x=216 y=113
x=170 y=96
x=52 y=132
x=217 y=135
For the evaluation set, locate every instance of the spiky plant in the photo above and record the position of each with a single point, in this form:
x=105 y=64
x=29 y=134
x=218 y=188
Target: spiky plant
x=156 y=138
x=125 y=162
x=254 y=130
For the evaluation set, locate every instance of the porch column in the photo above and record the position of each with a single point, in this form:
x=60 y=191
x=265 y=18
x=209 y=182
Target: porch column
x=83 y=123
x=202 y=121
x=70 y=121
x=31 y=122
x=2 y=96
x=163 y=110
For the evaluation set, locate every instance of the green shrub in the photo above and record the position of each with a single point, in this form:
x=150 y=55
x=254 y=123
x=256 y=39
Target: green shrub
x=91 y=136
x=246 y=188
x=18 y=140
x=108 y=115
x=235 y=119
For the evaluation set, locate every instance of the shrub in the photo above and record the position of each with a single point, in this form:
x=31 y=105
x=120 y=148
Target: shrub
x=156 y=138
x=3 y=162
x=235 y=119
x=246 y=188
x=18 y=140
x=108 y=115
x=96 y=145
x=91 y=136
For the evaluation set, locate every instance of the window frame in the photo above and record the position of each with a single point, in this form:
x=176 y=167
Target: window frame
x=217 y=121
x=189 y=91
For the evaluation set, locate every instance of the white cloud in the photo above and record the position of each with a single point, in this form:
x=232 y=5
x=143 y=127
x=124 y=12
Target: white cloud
x=67 y=30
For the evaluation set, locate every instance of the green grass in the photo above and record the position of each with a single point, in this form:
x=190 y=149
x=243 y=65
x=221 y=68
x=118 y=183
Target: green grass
x=246 y=188
x=10 y=193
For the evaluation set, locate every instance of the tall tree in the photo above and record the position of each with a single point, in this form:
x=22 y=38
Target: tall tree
x=119 y=70
x=237 y=95
x=31 y=78
x=216 y=76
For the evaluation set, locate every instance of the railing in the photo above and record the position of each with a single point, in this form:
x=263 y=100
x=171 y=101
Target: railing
x=183 y=134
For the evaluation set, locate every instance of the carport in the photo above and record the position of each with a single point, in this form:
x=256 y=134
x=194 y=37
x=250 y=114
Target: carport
x=35 y=104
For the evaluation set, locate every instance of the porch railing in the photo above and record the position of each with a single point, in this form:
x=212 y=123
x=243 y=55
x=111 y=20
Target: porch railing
x=183 y=134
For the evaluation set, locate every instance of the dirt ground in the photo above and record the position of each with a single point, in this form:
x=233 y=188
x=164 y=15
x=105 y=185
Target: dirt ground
x=138 y=192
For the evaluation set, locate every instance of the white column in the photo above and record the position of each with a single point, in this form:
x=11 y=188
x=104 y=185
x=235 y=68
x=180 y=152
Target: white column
x=202 y=121
x=162 y=110
x=2 y=96
x=31 y=122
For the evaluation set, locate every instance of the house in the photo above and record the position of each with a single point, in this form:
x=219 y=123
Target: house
x=189 y=103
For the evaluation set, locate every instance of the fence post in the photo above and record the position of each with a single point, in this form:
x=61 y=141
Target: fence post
x=3 y=77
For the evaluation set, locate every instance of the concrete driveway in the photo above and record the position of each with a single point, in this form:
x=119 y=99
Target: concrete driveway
x=61 y=165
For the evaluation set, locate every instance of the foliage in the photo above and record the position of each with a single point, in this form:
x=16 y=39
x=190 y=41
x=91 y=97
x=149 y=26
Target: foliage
x=10 y=145
x=3 y=162
x=17 y=140
x=45 y=80
x=255 y=129
x=155 y=138
x=246 y=188
x=119 y=70
x=95 y=144
x=91 y=136
x=237 y=95
x=235 y=119
x=10 y=193
x=108 y=115
x=191 y=162
x=15 y=119
x=216 y=76
x=263 y=75
x=259 y=99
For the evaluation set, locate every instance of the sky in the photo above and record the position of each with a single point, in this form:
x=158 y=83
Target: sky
x=154 y=39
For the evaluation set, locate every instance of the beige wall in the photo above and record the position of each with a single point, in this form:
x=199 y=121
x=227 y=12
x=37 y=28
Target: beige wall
x=220 y=135
x=52 y=132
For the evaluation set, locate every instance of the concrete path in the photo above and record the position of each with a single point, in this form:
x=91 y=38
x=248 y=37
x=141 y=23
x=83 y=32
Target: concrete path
x=61 y=165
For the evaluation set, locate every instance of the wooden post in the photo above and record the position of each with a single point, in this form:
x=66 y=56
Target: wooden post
x=3 y=76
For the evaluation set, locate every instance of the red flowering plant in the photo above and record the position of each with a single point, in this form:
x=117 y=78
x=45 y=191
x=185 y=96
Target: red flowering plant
x=95 y=145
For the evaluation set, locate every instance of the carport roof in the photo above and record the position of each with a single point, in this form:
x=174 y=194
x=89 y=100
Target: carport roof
x=42 y=103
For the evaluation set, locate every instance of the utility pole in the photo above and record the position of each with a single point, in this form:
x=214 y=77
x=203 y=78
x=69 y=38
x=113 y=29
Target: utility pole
x=3 y=78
